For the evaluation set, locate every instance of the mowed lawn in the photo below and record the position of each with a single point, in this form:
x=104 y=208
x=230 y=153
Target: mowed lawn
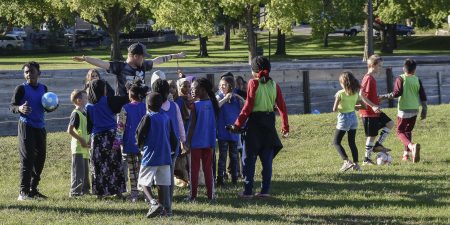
x=297 y=47
x=307 y=186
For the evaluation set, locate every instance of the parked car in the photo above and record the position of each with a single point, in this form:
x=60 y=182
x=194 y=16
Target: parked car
x=19 y=31
x=10 y=42
x=84 y=37
x=352 y=31
x=404 y=30
x=15 y=36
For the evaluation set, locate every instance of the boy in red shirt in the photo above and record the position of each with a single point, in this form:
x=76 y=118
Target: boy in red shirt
x=373 y=118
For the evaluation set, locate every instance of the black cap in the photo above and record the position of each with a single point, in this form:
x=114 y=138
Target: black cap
x=138 y=49
x=226 y=74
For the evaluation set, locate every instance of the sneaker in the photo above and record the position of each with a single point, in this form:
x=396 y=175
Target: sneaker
x=261 y=195
x=416 y=153
x=405 y=158
x=23 y=196
x=244 y=196
x=356 y=167
x=381 y=148
x=154 y=210
x=36 y=194
x=346 y=166
x=368 y=162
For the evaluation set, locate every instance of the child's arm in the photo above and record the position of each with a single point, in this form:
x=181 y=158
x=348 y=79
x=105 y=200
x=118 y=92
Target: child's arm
x=337 y=99
x=374 y=107
x=281 y=105
x=192 y=123
x=142 y=130
x=398 y=90
x=121 y=121
x=93 y=61
x=73 y=133
x=360 y=105
x=15 y=106
x=224 y=100
x=181 y=128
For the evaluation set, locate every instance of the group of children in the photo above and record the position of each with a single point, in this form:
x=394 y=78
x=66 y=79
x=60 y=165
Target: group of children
x=353 y=96
x=143 y=135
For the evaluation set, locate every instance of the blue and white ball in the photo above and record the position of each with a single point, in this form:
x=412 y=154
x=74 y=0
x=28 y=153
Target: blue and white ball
x=50 y=101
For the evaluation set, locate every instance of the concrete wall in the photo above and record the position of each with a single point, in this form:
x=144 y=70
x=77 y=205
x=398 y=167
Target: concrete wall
x=323 y=79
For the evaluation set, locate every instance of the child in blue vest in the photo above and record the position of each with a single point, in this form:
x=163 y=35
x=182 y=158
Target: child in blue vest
x=127 y=122
x=230 y=107
x=202 y=135
x=106 y=158
x=32 y=135
x=156 y=138
x=79 y=145
x=171 y=109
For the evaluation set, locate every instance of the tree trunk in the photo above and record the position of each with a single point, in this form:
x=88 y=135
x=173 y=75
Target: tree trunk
x=251 y=39
x=325 y=40
x=281 y=43
x=116 y=55
x=394 y=35
x=203 y=46
x=388 y=43
x=368 y=31
x=226 y=41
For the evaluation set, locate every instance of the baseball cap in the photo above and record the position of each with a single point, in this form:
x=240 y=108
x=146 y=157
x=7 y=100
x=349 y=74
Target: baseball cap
x=138 y=49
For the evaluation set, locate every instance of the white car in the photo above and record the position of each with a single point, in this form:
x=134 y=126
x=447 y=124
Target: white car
x=352 y=31
x=11 y=41
x=19 y=31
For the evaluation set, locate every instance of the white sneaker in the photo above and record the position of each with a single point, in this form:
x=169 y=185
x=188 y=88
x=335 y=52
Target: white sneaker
x=23 y=196
x=346 y=166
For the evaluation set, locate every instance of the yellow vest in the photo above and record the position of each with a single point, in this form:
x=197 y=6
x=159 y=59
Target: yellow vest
x=82 y=132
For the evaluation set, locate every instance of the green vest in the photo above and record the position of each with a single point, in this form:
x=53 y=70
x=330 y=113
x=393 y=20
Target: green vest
x=266 y=95
x=347 y=102
x=82 y=132
x=410 y=96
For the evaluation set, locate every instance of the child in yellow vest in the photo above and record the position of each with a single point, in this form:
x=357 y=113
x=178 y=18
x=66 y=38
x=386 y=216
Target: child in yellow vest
x=79 y=145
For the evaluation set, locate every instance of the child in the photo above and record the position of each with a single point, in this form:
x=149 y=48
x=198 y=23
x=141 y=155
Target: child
x=372 y=117
x=230 y=108
x=172 y=111
x=409 y=89
x=127 y=122
x=173 y=92
x=93 y=74
x=80 y=148
x=202 y=135
x=32 y=135
x=106 y=160
x=345 y=102
x=156 y=139
x=261 y=136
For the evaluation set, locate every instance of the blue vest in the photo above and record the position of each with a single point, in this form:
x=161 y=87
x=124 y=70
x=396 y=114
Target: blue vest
x=157 y=144
x=101 y=116
x=228 y=114
x=135 y=112
x=33 y=96
x=172 y=114
x=205 y=128
x=181 y=102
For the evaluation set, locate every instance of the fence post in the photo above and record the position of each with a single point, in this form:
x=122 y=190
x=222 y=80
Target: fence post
x=390 y=84
x=306 y=93
x=439 y=84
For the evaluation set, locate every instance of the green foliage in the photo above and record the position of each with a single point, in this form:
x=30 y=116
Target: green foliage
x=282 y=13
x=307 y=186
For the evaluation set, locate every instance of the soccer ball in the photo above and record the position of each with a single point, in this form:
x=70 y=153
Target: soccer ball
x=383 y=158
x=50 y=101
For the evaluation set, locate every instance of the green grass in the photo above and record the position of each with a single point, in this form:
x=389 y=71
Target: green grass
x=306 y=184
x=297 y=47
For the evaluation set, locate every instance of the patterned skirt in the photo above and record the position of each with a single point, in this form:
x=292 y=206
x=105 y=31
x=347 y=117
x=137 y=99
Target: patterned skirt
x=108 y=176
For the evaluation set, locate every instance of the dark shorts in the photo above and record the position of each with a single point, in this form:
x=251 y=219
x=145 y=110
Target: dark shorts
x=373 y=124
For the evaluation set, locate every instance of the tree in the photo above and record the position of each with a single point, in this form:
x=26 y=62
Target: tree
x=111 y=16
x=194 y=17
x=368 y=31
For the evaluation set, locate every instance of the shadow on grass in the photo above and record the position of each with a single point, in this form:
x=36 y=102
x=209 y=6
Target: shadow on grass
x=362 y=219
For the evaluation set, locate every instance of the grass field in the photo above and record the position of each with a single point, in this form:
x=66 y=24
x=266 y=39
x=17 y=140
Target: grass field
x=297 y=47
x=306 y=184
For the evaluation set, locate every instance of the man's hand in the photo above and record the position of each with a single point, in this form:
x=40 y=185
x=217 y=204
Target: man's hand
x=79 y=58
x=25 y=109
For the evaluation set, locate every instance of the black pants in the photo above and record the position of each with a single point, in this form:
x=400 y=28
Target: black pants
x=32 y=149
x=339 y=134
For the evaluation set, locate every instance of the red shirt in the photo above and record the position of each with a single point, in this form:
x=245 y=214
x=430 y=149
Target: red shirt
x=369 y=90
x=250 y=101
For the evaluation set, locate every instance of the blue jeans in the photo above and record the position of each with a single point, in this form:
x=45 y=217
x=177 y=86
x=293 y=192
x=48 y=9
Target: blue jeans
x=231 y=148
x=266 y=158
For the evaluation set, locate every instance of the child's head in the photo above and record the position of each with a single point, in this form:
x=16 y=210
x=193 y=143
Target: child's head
x=173 y=87
x=203 y=89
x=92 y=74
x=96 y=90
x=374 y=63
x=226 y=84
x=184 y=87
x=137 y=92
x=79 y=98
x=31 y=72
x=260 y=68
x=154 y=102
x=349 y=83
x=409 y=66
x=240 y=83
x=161 y=87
